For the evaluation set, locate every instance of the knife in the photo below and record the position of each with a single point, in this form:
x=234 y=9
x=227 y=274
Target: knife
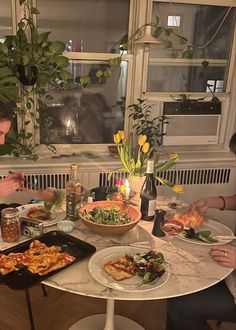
x=222 y=237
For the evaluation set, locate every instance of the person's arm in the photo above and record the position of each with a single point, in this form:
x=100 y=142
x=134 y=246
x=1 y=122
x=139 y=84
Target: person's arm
x=10 y=184
x=220 y=202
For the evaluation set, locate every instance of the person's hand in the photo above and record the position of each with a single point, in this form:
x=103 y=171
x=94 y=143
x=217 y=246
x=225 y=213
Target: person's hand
x=200 y=206
x=224 y=255
x=11 y=183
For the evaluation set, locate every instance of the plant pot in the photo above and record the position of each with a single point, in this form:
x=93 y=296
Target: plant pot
x=28 y=74
x=136 y=183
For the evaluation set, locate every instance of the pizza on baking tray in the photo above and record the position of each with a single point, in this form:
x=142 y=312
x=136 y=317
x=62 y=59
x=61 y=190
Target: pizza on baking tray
x=38 y=259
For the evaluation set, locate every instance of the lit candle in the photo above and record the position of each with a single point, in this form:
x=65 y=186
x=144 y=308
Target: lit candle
x=68 y=126
x=127 y=189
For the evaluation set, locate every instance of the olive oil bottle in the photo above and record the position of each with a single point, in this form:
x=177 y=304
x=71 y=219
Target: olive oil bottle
x=74 y=193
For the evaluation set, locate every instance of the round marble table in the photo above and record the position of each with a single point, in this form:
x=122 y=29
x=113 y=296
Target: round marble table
x=191 y=270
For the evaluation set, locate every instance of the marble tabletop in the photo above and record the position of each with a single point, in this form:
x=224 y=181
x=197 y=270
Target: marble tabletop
x=191 y=268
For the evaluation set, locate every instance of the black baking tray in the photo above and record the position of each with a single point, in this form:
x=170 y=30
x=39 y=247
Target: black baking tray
x=24 y=279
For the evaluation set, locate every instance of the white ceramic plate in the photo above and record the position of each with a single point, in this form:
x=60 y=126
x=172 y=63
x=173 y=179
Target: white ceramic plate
x=216 y=228
x=129 y=285
x=56 y=215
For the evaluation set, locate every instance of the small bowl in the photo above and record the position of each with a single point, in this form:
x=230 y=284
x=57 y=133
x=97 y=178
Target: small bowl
x=103 y=229
x=66 y=225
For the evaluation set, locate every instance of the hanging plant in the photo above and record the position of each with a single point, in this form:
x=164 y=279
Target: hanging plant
x=35 y=63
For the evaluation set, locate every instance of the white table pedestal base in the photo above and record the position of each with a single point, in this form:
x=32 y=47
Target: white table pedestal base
x=97 y=322
x=107 y=321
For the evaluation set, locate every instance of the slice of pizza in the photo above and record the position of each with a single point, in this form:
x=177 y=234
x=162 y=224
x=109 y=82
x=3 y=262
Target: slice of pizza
x=120 y=269
x=63 y=260
x=7 y=265
x=190 y=220
x=39 y=213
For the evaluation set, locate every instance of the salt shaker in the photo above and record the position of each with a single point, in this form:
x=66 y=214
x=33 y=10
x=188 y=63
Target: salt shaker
x=10 y=224
x=159 y=217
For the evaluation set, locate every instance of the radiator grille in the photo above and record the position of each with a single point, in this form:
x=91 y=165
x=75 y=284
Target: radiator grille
x=93 y=179
x=184 y=177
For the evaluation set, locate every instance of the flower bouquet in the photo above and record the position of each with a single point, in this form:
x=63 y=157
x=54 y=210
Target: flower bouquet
x=134 y=160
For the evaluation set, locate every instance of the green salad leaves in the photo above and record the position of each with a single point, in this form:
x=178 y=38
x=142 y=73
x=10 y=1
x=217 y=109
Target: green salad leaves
x=107 y=216
x=204 y=235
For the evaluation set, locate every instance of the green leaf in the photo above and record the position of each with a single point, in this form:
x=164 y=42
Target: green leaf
x=165 y=182
x=35 y=11
x=61 y=61
x=6 y=149
x=165 y=166
x=57 y=47
x=43 y=37
x=205 y=63
x=65 y=75
x=21 y=25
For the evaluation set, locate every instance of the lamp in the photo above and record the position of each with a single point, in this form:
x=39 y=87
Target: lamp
x=147 y=37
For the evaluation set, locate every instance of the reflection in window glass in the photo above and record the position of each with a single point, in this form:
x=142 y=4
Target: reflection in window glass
x=89 y=26
x=173 y=20
x=5 y=19
x=90 y=115
x=199 y=24
x=183 y=79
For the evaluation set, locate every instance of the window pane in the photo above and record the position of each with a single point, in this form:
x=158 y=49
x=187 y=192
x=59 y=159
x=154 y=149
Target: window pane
x=199 y=23
x=186 y=79
x=99 y=24
x=5 y=19
x=92 y=115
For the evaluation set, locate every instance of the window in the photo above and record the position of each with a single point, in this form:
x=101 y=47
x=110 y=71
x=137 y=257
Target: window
x=89 y=26
x=87 y=116
x=209 y=30
x=5 y=19
x=90 y=115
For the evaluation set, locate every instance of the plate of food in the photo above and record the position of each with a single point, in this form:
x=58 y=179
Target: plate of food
x=210 y=232
x=39 y=212
x=128 y=268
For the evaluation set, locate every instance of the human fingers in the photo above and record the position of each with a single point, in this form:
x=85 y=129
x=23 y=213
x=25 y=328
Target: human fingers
x=7 y=187
x=17 y=177
x=224 y=255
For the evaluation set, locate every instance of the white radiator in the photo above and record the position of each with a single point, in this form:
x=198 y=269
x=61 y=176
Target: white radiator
x=182 y=176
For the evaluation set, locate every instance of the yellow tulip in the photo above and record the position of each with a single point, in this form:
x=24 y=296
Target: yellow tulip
x=174 y=157
x=145 y=147
x=142 y=139
x=121 y=134
x=178 y=189
x=117 y=138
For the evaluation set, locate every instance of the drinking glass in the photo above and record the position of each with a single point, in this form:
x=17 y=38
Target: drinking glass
x=171 y=228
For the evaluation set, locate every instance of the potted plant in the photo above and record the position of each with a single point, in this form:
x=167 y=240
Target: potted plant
x=36 y=63
x=145 y=124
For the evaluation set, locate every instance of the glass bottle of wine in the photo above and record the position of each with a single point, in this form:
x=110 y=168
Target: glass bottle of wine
x=74 y=193
x=148 y=194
